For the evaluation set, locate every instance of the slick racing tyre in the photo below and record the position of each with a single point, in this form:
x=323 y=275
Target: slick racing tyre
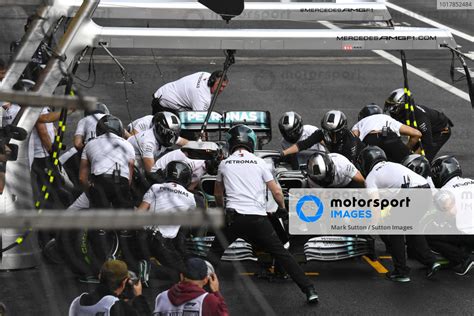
x=85 y=251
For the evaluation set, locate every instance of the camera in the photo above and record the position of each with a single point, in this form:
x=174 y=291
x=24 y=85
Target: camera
x=133 y=280
x=210 y=268
x=10 y=151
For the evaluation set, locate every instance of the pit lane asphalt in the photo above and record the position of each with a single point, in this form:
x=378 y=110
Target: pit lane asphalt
x=350 y=287
x=310 y=86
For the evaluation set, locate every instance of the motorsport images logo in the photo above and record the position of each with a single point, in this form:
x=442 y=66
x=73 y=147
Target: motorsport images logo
x=313 y=200
x=360 y=211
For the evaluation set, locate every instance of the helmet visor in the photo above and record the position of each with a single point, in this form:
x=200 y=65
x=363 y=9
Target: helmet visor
x=165 y=136
x=392 y=107
x=333 y=137
x=293 y=135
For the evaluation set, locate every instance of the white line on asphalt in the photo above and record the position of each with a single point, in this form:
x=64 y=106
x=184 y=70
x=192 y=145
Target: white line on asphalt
x=461 y=70
x=413 y=69
x=429 y=21
x=425 y=75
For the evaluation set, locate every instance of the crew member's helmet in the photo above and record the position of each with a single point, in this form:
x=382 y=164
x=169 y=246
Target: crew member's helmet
x=445 y=168
x=241 y=136
x=369 y=157
x=334 y=125
x=418 y=164
x=179 y=172
x=212 y=165
x=109 y=124
x=321 y=169
x=166 y=127
x=291 y=126
x=395 y=102
x=23 y=85
x=98 y=108
x=369 y=110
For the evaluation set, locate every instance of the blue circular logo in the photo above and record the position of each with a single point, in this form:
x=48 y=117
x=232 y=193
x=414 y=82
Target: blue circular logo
x=316 y=201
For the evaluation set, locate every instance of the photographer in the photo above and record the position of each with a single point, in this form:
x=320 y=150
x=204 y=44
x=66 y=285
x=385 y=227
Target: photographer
x=7 y=152
x=189 y=297
x=108 y=299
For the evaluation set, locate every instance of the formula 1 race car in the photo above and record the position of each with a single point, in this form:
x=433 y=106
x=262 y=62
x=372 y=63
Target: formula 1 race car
x=289 y=176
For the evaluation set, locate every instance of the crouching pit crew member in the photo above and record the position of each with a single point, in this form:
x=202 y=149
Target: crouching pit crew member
x=381 y=174
x=190 y=93
x=151 y=143
x=447 y=175
x=140 y=125
x=167 y=243
x=434 y=125
x=244 y=178
x=377 y=129
x=419 y=164
x=198 y=166
x=333 y=171
x=292 y=130
x=337 y=138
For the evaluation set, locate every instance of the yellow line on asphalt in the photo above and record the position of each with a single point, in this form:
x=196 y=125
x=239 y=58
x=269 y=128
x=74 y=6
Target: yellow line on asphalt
x=376 y=265
x=385 y=257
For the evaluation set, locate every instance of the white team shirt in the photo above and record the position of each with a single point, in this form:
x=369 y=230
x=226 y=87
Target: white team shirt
x=169 y=198
x=35 y=142
x=189 y=93
x=86 y=126
x=198 y=166
x=463 y=191
x=386 y=174
x=141 y=124
x=81 y=203
x=102 y=307
x=9 y=114
x=245 y=176
x=375 y=123
x=107 y=152
x=68 y=154
x=146 y=145
x=193 y=307
x=307 y=131
x=344 y=171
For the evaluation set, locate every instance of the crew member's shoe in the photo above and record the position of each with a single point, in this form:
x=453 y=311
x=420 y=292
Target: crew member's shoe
x=397 y=277
x=464 y=267
x=435 y=267
x=311 y=295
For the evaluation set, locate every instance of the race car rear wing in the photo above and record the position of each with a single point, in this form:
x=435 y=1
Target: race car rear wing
x=193 y=120
x=259 y=121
